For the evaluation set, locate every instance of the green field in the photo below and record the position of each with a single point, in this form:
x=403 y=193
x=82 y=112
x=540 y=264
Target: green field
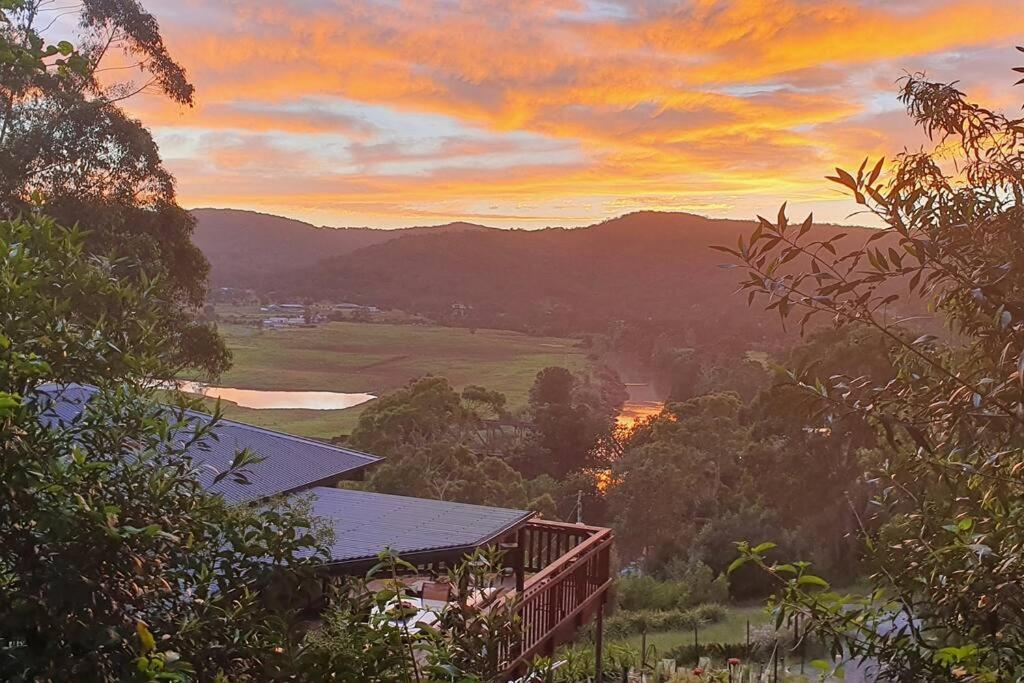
x=732 y=629
x=378 y=358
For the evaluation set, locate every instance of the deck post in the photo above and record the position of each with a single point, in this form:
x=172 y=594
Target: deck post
x=520 y=559
x=599 y=644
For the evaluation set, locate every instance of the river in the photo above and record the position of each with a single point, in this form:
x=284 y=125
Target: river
x=646 y=394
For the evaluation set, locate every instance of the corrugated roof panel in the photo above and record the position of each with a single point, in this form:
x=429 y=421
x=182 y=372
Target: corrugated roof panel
x=366 y=523
x=289 y=462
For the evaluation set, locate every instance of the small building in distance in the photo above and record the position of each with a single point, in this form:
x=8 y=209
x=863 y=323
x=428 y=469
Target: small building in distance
x=346 y=307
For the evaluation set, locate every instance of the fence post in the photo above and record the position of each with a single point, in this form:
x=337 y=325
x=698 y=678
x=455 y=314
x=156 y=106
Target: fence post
x=748 y=641
x=800 y=643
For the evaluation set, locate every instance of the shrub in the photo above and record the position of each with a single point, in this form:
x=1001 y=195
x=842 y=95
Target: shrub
x=699 y=579
x=627 y=623
x=647 y=593
x=686 y=584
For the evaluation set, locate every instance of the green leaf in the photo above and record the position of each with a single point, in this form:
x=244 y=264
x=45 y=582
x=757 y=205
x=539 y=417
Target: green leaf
x=736 y=564
x=812 y=580
x=764 y=547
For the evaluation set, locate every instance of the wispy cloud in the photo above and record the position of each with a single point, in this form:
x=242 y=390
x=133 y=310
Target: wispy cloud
x=540 y=112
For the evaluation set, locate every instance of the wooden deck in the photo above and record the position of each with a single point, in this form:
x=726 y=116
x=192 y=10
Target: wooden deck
x=571 y=574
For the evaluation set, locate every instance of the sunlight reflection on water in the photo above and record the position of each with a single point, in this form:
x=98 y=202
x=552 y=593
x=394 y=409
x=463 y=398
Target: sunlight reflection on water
x=279 y=400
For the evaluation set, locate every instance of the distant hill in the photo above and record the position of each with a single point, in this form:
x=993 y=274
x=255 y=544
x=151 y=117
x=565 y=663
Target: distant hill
x=248 y=249
x=638 y=268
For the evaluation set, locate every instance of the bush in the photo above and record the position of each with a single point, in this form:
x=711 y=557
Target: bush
x=700 y=581
x=647 y=593
x=626 y=623
x=687 y=584
x=709 y=613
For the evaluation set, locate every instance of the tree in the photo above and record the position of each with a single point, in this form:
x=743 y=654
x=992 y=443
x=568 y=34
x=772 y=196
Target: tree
x=434 y=445
x=65 y=144
x=948 y=565
x=679 y=470
x=108 y=544
x=812 y=470
x=572 y=423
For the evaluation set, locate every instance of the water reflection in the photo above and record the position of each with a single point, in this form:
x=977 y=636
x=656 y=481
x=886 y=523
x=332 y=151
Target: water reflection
x=279 y=400
x=634 y=411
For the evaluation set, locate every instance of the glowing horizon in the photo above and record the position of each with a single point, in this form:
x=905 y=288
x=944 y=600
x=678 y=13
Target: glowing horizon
x=554 y=112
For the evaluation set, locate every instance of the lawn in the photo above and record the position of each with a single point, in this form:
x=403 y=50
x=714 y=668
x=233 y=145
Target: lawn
x=732 y=629
x=378 y=358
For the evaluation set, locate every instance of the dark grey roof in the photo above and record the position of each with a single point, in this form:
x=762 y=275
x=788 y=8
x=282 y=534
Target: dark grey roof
x=290 y=463
x=366 y=523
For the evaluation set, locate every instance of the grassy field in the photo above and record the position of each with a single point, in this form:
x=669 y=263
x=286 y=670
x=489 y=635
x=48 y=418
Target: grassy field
x=378 y=358
x=732 y=629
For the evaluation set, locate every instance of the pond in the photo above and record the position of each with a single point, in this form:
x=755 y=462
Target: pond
x=279 y=400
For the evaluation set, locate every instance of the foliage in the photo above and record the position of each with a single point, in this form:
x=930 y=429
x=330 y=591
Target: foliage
x=440 y=444
x=113 y=559
x=679 y=469
x=626 y=623
x=948 y=565
x=66 y=145
x=433 y=442
x=693 y=583
x=571 y=421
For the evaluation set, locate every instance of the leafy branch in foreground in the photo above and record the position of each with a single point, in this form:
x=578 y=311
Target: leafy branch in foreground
x=945 y=539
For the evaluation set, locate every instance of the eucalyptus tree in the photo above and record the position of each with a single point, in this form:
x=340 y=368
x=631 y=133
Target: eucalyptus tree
x=949 y=560
x=66 y=144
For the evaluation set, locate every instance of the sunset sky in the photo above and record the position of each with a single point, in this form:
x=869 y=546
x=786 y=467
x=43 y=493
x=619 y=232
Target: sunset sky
x=528 y=113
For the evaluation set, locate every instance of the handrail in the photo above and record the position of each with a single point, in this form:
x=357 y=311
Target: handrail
x=573 y=555
x=558 y=599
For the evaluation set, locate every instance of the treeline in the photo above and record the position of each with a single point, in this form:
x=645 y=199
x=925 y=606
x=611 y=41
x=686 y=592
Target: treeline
x=469 y=447
x=742 y=455
x=648 y=267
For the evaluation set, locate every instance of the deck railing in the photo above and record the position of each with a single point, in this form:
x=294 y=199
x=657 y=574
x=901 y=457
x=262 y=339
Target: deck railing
x=572 y=575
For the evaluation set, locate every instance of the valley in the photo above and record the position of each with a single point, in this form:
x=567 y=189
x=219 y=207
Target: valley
x=371 y=358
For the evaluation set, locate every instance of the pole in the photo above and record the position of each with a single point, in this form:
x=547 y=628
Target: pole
x=599 y=645
x=800 y=643
x=748 y=641
x=696 y=647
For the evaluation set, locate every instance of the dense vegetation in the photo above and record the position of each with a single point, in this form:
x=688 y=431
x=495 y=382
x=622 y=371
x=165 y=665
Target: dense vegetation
x=944 y=537
x=470 y=448
x=65 y=144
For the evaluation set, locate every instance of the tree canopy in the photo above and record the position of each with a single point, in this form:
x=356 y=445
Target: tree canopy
x=114 y=562
x=66 y=145
x=947 y=487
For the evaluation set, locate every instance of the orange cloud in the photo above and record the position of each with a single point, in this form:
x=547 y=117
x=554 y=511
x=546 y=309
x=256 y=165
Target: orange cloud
x=383 y=110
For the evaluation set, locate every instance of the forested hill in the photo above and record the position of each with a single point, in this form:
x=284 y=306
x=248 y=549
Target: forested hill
x=640 y=267
x=247 y=249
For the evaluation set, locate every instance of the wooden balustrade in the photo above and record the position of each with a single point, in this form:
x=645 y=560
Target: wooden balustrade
x=572 y=575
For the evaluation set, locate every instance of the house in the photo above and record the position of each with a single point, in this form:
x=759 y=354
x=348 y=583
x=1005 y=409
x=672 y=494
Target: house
x=346 y=307
x=560 y=572
x=279 y=322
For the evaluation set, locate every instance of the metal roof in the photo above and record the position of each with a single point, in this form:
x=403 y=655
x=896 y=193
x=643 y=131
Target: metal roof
x=290 y=463
x=366 y=523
